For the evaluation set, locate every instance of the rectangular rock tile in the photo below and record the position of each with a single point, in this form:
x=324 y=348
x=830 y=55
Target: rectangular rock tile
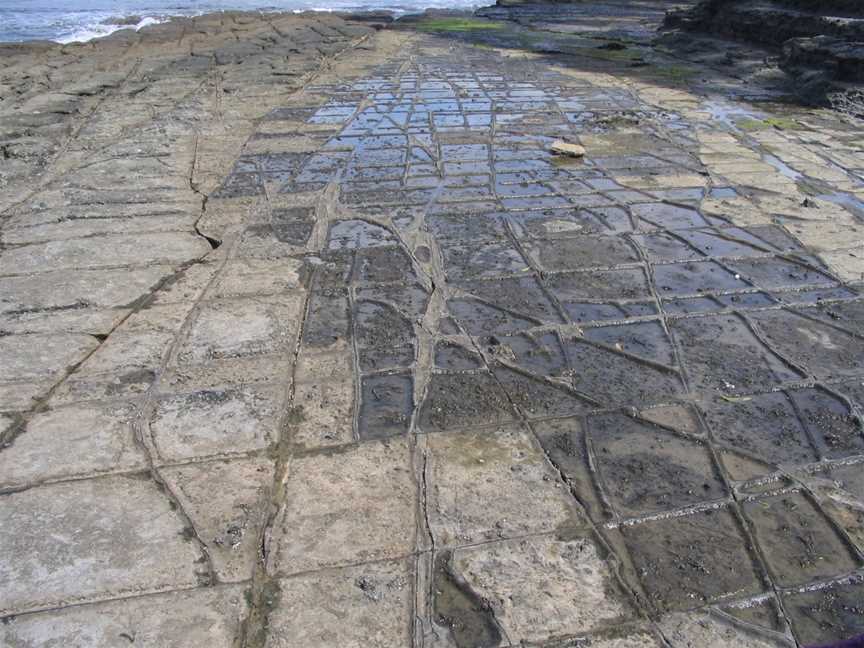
x=536 y=589
x=127 y=361
x=72 y=441
x=31 y=358
x=600 y=285
x=613 y=378
x=323 y=403
x=387 y=404
x=236 y=328
x=798 y=542
x=645 y=469
x=343 y=507
x=258 y=276
x=225 y=373
x=482 y=261
x=50 y=291
x=367 y=605
x=463 y=401
x=201 y=618
x=70 y=321
x=216 y=422
x=721 y=353
x=821 y=348
x=490 y=485
x=766 y=426
x=829 y=614
x=693 y=279
x=228 y=502
x=89 y=540
x=103 y=251
x=582 y=253
x=688 y=561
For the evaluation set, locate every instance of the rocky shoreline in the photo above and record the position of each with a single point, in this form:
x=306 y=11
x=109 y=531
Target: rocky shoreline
x=821 y=44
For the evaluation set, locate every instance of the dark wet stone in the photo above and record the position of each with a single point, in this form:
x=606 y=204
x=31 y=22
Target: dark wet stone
x=478 y=318
x=644 y=339
x=819 y=347
x=380 y=264
x=540 y=353
x=798 y=542
x=600 y=285
x=850 y=478
x=456 y=357
x=423 y=253
x=523 y=296
x=293 y=225
x=469 y=618
x=469 y=227
x=691 y=279
x=386 y=406
x=410 y=299
x=766 y=426
x=745 y=301
x=463 y=401
x=270 y=163
x=240 y=185
x=832 y=614
x=537 y=398
x=482 y=261
x=823 y=297
x=646 y=469
x=564 y=442
x=354 y=234
x=684 y=562
x=831 y=423
x=774 y=273
x=721 y=353
x=612 y=378
x=664 y=216
x=692 y=305
x=728 y=242
x=585 y=252
x=327 y=320
x=557 y=223
x=384 y=337
x=662 y=246
x=329 y=270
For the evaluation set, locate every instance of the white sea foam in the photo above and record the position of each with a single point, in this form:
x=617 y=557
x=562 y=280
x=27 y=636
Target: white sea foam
x=102 y=29
x=68 y=21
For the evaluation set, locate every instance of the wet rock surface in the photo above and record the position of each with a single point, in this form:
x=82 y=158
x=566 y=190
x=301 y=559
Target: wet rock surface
x=308 y=338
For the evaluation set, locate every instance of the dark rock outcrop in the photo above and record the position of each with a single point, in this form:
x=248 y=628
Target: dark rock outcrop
x=820 y=43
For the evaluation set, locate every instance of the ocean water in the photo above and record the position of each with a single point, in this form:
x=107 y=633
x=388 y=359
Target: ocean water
x=67 y=21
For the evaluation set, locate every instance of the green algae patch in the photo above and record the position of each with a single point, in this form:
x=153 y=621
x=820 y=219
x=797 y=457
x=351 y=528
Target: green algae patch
x=457 y=25
x=676 y=73
x=624 y=55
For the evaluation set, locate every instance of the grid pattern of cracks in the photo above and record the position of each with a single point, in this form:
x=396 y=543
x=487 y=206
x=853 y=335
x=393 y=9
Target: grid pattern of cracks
x=487 y=283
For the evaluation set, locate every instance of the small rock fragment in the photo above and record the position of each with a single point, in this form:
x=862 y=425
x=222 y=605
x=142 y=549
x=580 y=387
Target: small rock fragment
x=561 y=147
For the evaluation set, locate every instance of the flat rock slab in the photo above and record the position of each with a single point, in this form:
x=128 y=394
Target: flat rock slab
x=91 y=540
x=192 y=619
x=356 y=606
x=542 y=587
x=354 y=505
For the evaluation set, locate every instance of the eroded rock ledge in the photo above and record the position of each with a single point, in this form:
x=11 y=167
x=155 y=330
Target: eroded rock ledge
x=820 y=44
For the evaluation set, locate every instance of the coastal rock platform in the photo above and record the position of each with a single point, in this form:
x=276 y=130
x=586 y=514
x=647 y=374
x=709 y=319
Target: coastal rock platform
x=308 y=339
